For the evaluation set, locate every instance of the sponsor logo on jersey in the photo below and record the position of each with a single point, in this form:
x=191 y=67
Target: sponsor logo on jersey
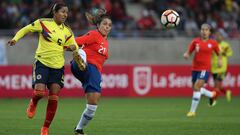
x=39 y=76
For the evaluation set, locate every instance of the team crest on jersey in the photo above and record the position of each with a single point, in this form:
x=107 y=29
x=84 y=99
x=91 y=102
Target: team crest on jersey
x=39 y=76
x=142 y=80
x=209 y=45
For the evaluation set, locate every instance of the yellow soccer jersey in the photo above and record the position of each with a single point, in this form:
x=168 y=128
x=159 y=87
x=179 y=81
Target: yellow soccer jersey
x=226 y=52
x=52 y=40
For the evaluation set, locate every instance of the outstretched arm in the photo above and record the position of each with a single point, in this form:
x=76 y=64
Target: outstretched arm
x=189 y=51
x=186 y=55
x=33 y=27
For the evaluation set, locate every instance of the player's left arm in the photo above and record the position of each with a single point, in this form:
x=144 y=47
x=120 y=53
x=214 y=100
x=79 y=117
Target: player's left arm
x=71 y=46
x=228 y=51
x=70 y=43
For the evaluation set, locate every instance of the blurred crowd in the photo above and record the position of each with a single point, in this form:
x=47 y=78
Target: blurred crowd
x=220 y=14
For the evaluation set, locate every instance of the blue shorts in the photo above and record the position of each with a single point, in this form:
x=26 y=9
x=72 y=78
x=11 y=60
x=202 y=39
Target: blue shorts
x=90 y=78
x=46 y=75
x=202 y=75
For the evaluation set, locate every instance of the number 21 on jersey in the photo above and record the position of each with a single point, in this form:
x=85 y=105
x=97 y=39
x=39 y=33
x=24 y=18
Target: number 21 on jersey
x=102 y=50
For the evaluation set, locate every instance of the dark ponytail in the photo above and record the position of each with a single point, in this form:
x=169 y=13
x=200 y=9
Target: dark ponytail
x=54 y=8
x=95 y=16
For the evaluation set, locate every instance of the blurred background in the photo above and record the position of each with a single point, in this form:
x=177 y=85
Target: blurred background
x=137 y=38
x=145 y=66
x=132 y=19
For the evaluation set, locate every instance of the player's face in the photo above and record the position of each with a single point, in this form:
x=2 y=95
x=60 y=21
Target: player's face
x=219 y=37
x=105 y=26
x=205 y=32
x=61 y=15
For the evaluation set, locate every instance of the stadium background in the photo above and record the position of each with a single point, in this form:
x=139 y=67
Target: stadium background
x=144 y=57
x=145 y=62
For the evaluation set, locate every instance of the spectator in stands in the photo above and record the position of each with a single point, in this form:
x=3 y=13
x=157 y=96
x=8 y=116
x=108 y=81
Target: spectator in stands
x=146 y=22
x=118 y=15
x=191 y=27
x=16 y=14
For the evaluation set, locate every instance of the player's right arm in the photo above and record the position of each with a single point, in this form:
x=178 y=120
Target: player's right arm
x=189 y=51
x=86 y=39
x=33 y=27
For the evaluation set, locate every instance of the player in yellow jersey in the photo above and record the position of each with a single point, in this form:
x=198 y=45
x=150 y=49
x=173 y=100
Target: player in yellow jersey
x=220 y=72
x=48 y=69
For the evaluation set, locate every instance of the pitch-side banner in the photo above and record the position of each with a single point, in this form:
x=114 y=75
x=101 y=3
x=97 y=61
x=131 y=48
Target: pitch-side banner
x=119 y=81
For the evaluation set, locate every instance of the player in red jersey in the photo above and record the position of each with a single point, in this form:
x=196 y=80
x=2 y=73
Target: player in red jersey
x=93 y=54
x=203 y=48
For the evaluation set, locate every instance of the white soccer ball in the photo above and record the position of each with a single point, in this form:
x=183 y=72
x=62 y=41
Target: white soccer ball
x=170 y=18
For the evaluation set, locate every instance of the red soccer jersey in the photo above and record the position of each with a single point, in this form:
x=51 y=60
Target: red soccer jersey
x=203 y=52
x=95 y=46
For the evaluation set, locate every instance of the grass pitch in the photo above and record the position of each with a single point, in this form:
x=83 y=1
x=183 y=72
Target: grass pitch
x=126 y=116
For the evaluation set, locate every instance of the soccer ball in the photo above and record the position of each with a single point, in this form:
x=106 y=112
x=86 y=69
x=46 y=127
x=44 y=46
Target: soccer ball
x=170 y=18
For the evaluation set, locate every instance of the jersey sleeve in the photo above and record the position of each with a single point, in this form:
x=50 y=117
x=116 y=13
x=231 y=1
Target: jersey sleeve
x=228 y=50
x=191 y=47
x=33 y=27
x=86 y=39
x=70 y=40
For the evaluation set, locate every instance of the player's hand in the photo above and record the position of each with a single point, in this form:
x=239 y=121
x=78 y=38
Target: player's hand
x=186 y=55
x=11 y=42
x=70 y=48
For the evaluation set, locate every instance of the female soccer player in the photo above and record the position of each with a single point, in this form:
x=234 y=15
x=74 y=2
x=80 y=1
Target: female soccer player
x=220 y=72
x=203 y=48
x=94 y=53
x=48 y=69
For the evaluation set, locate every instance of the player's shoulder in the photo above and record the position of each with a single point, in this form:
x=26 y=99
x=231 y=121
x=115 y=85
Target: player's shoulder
x=225 y=43
x=68 y=28
x=46 y=19
x=93 y=32
x=213 y=41
x=196 y=40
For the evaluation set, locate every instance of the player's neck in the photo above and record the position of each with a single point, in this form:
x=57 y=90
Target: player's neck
x=104 y=36
x=205 y=39
x=58 y=23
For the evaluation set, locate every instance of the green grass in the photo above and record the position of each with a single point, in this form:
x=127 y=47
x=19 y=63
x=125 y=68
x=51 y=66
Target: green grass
x=126 y=116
